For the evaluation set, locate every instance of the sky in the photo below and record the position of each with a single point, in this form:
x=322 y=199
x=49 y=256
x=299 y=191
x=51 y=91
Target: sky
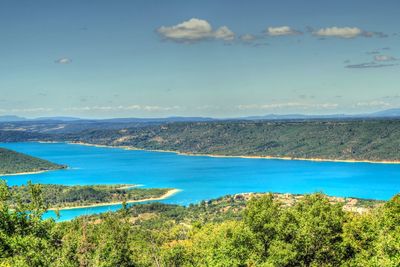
x=125 y=58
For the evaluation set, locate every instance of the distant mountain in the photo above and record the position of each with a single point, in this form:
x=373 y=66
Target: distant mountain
x=59 y=118
x=8 y=118
x=168 y=119
x=390 y=113
x=394 y=112
x=300 y=117
x=13 y=118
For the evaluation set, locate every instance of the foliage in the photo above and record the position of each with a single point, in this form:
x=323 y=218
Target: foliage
x=358 y=139
x=223 y=232
x=25 y=239
x=61 y=196
x=14 y=162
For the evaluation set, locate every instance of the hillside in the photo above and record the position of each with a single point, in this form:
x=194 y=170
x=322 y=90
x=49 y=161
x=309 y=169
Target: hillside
x=13 y=162
x=375 y=140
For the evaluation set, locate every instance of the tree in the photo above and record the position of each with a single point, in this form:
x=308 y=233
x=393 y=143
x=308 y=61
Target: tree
x=25 y=239
x=261 y=216
x=374 y=238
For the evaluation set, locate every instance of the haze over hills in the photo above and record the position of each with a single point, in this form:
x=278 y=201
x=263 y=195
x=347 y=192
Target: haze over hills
x=389 y=113
x=394 y=112
x=11 y=118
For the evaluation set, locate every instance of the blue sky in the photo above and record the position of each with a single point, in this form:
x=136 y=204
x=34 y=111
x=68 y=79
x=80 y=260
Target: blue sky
x=198 y=58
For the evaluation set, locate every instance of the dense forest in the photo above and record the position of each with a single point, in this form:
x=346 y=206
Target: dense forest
x=230 y=231
x=61 y=196
x=376 y=140
x=13 y=162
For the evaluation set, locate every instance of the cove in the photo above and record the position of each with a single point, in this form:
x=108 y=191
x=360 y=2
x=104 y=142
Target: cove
x=201 y=177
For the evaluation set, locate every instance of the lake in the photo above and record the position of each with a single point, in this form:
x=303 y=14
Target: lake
x=201 y=177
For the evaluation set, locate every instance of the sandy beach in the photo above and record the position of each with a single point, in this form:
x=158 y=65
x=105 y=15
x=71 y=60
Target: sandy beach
x=243 y=157
x=26 y=173
x=165 y=196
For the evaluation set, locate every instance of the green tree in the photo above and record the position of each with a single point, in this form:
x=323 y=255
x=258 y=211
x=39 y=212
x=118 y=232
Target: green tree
x=307 y=234
x=229 y=243
x=374 y=238
x=261 y=216
x=25 y=239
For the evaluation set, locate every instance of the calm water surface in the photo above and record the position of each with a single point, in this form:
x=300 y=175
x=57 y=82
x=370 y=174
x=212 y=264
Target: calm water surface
x=202 y=178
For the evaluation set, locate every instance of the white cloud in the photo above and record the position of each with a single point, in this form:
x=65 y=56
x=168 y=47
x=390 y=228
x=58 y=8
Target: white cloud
x=280 y=31
x=288 y=105
x=25 y=110
x=340 y=32
x=371 y=65
x=158 y=108
x=122 y=108
x=384 y=58
x=375 y=103
x=195 y=30
x=63 y=60
x=224 y=33
x=247 y=37
x=31 y=110
x=375 y=34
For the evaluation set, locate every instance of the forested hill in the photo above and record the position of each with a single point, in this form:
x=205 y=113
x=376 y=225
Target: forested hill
x=14 y=162
x=377 y=140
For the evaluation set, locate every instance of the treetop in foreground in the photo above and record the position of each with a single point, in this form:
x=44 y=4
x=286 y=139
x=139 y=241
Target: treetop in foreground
x=225 y=232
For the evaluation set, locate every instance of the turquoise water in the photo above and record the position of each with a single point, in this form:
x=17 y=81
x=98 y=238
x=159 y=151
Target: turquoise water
x=202 y=178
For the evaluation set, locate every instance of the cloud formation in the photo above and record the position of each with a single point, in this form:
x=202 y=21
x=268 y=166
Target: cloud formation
x=381 y=58
x=247 y=37
x=339 y=32
x=131 y=107
x=369 y=65
x=374 y=103
x=224 y=33
x=288 y=105
x=375 y=34
x=18 y=110
x=281 y=31
x=195 y=30
x=63 y=60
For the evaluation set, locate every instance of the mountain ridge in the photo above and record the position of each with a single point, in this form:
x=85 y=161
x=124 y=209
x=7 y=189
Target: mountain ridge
x=388 y=113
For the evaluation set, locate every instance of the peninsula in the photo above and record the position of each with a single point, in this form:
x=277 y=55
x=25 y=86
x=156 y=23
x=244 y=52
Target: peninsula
x=13 y=163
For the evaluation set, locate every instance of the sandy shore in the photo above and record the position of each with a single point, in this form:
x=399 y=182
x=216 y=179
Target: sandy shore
x=165 y=196
x=26 y=173
x=243 y=157
x=128 y=186
x=36 y=172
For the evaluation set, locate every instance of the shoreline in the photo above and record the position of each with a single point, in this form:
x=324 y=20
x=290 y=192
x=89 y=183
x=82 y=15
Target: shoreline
x=128 y=186
x=242 y=157
x=28 y=173
x=169 y=193
x=33 y=172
